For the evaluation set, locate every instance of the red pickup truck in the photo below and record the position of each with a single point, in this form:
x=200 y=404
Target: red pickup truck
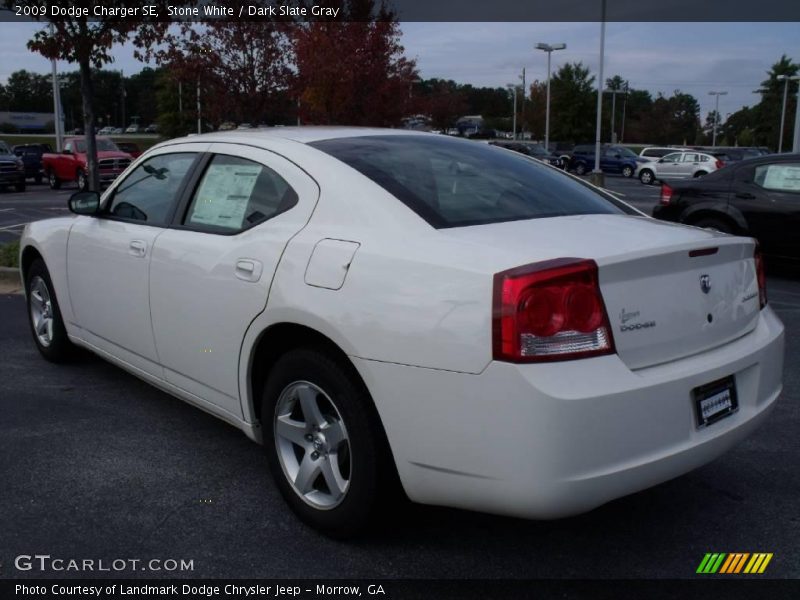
x=70 y=164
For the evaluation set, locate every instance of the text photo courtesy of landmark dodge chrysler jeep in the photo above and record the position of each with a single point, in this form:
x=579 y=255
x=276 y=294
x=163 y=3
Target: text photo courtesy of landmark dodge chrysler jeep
x=71 y=163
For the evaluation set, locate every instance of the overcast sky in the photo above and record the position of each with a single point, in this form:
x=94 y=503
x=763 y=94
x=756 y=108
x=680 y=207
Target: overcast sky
x=693 y=57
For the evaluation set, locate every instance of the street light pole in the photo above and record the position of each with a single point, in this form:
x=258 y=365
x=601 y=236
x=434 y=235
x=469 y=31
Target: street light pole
x=786 y=79
x=796 y=142
x=59 y=124
x=716 y=116
x=597 y=174
x=624 y=106
x=522 y=116
x=613 y=113
x=513 y=89
x=549 y=48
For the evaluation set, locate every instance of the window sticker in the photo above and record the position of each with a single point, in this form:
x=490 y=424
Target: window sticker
x=783 y=177
x=224 y=195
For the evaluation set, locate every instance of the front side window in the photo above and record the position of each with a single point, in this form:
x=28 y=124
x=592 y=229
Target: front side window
x=236 y=194
x=674 y=157
x=784 y=177
x=150 y=191
x=453 y=183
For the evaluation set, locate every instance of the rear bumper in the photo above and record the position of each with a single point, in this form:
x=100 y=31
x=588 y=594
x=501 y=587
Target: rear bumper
x=547 y=441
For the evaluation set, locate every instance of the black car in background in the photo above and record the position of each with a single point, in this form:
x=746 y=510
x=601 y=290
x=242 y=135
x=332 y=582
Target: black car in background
x=12 y=171
x=31 y=155
x=532 y=149
x=759 y=197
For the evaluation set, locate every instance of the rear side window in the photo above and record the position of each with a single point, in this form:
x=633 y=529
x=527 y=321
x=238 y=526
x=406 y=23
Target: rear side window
x=452 y=183
x=236 y=194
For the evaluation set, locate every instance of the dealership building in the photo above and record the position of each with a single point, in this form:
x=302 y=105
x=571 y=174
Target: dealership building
x=27 y=121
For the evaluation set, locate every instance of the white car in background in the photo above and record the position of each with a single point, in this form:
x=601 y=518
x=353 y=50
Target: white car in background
x=653 y=153
x=378 y=306
x=678 y=165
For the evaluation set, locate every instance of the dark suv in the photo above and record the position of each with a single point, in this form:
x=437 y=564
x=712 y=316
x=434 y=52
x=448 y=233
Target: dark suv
x=614 y=159
x=12 y=170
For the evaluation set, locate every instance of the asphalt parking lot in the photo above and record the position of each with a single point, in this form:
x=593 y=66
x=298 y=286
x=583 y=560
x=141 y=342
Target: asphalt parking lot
x=97 y=464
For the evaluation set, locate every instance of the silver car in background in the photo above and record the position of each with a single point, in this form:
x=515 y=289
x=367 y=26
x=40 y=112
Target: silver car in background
x=653 y=153
x=679 y=165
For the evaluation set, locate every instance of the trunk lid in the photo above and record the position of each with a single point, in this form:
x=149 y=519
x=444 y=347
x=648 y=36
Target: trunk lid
x=670 y=290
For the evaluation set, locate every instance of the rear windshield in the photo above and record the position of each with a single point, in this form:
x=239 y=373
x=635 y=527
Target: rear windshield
x=454 y=183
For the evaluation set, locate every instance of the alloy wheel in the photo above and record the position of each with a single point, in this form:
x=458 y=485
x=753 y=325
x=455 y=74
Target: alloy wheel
x=312 y=444
x=41 y=311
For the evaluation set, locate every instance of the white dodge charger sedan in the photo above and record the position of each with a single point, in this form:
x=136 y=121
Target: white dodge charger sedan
x=381 y=307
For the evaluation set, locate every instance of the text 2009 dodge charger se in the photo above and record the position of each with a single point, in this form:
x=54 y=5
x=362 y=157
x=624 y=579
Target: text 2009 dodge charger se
x=379 y=305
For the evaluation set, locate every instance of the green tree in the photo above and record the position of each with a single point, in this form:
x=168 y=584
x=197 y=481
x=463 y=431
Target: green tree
x=768 y=110
x=29 y=92
x=572 y=109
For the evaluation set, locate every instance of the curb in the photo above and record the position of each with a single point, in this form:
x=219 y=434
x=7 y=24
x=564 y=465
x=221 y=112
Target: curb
x=10 y=275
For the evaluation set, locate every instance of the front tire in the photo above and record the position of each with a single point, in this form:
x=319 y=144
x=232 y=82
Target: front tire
x=646 y=176
x=580 y=169
x=53 y=181
x=83 y=181
x=324 y=443
x=627 y=171
x=44 y=315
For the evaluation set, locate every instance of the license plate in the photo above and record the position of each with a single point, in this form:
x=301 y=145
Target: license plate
x=715 y=401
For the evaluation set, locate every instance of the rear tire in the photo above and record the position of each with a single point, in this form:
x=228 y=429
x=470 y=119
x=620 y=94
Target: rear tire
x=324 y=443
x=44 y=315
x=700 y=174
x=647 y=177
x=714 y=224
x=53 y=181
x=83 y=181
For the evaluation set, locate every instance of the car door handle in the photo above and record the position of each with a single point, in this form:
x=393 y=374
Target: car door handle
x=137 y=248
x=745 y=196
x=248 y=269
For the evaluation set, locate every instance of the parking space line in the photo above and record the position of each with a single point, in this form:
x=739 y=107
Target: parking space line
x=7 y=227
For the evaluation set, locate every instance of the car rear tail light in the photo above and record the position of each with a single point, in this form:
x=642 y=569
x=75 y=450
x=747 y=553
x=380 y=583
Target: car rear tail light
x=550 y=311
x=761 y=276
x=720 y=163
x=666 y=194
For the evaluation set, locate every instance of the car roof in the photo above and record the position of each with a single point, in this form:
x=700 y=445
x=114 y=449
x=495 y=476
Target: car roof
x=304 y=134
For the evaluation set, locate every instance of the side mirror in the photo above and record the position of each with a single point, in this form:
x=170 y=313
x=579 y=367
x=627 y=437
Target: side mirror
x=84 y=203
x=66 y=151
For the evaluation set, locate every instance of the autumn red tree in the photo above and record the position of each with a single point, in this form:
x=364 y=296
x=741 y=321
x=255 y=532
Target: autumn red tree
x=243 y=67
x=353 y=71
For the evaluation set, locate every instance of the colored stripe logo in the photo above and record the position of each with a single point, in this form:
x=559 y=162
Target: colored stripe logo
x=734 y=562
